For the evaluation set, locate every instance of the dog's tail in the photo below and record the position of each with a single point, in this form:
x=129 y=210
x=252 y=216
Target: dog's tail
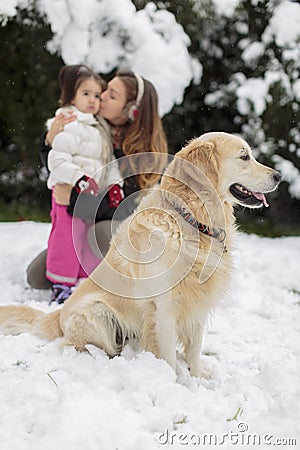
x=23 y=319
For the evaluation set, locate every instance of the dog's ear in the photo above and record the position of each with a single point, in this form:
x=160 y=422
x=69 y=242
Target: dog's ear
x=196 y=165
x=203 y=156
x=191 y=180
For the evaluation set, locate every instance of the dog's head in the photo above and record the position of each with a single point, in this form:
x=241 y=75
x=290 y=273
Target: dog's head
x=221 y=166
x=241 y=179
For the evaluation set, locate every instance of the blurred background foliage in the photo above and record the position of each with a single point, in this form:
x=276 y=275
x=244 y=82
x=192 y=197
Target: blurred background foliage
x=29 y=93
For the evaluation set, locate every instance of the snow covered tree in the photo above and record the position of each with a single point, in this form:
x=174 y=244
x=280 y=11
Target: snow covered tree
x=249 y=51
x=226 y=65
x=98 y=33
x=29 y=91
x=263 y=90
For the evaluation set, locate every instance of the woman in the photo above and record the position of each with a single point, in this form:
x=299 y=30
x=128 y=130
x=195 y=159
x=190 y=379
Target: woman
x=130 y=106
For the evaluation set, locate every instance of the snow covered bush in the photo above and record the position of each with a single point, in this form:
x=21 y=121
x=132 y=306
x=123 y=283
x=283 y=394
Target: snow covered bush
x=264 y=88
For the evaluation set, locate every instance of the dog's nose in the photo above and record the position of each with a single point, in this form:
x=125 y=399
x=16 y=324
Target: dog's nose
x=277 y=177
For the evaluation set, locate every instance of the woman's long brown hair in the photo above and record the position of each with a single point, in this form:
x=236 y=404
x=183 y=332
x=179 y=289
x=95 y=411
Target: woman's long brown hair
x=145 y=134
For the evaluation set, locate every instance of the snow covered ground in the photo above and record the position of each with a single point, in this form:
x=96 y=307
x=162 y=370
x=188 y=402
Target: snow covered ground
x=61 y=399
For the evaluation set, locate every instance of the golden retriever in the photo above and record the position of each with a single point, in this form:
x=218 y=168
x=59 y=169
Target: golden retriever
x=168 y=264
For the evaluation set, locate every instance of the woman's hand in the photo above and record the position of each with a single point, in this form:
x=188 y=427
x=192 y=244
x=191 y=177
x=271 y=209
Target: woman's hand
x=62 y=194
x=58 y=125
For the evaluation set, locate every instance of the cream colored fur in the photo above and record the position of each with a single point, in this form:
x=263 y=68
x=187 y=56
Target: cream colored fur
x=161 y=277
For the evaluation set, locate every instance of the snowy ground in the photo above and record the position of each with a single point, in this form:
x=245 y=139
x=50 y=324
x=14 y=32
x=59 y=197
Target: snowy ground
x=61 y=399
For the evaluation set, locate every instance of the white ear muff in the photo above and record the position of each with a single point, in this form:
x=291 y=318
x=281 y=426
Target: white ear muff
x=133 y=110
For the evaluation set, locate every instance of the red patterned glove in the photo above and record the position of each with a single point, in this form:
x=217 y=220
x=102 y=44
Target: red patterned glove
x=87 y=185
x=115 y=195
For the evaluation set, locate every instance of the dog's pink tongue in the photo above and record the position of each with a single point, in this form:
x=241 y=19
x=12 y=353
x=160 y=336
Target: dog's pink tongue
x=261 y=197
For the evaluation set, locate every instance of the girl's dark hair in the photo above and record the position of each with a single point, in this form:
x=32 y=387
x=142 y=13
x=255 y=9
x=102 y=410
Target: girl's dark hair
x=71 y=77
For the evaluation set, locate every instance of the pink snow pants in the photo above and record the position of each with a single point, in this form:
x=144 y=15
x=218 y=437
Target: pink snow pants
x=69 y=256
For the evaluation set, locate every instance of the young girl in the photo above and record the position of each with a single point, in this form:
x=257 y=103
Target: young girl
x=79 y=156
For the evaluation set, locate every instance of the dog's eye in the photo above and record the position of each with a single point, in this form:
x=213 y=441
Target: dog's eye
x=245 y=157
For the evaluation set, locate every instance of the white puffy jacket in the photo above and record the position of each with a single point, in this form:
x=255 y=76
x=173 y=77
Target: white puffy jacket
x=78 y=151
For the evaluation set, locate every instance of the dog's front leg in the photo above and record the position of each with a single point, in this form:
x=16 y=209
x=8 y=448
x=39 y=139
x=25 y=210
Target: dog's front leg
x=193 y=346
x=166 y=330
x=159 y=330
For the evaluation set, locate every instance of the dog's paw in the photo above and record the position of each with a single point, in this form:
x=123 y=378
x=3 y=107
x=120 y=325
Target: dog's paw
x=206 y=374
x=200 y=372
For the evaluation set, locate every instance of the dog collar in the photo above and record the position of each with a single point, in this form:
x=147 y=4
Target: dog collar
x=217 y=233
